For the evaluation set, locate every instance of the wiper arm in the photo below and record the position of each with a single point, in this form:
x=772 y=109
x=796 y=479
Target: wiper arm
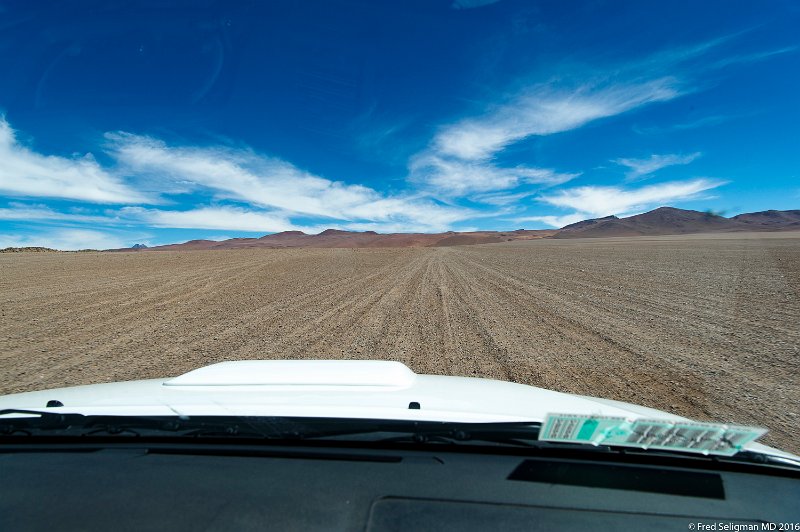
x=760 y=458
x=511 y=434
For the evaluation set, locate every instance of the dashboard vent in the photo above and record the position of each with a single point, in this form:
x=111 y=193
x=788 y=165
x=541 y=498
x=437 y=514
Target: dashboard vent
x=622 y=477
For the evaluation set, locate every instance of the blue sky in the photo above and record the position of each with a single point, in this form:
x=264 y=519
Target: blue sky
x=153 y=123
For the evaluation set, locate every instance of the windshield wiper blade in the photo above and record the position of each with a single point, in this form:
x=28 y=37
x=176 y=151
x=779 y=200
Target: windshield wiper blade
x=423 y=433
x=30 y=422
x=765 y=459
x=34 y=422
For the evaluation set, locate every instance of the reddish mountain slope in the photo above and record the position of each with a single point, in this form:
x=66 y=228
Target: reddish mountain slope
x=671 y=221
x=769 y=220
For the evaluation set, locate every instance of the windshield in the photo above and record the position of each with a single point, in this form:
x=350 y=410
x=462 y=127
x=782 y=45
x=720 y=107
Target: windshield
x=595 y=198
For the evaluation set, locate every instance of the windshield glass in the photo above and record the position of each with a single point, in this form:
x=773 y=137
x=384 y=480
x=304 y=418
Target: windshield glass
x=598 y=198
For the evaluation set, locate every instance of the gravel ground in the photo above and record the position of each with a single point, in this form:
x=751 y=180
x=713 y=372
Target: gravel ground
x=703 y=326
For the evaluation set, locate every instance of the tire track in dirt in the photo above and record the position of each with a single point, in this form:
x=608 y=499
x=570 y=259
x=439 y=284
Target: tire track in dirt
x=572 y=349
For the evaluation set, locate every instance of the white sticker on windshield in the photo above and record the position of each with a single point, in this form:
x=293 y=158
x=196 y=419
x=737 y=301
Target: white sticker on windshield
x=687 y=436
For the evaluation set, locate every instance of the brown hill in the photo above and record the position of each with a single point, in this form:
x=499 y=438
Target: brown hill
x=769 y=220
x=337 y=238
x=188 y=246
x=284 y=235
x=672 y=221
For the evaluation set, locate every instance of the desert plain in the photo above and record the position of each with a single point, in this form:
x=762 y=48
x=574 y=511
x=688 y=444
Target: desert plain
x=705 y=326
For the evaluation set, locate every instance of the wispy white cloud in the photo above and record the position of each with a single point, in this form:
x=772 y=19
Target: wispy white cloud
x=553 y=221
x=66 y=239
x=242 y=219
x=753 y=57
x=599 y=201
x=266 y=182
x=454 y=177
x=231 y=218
x=501 y=198
x=384 y=227
x=418 y=212
x=238 y=174
x=226 y=218
x=545 y=110
x=25 y=173
x=217 y=238
x=461 y=158
x=643 y=167
x=711 y=120
x=274 y=190
x=39 y=212
x=674 y=57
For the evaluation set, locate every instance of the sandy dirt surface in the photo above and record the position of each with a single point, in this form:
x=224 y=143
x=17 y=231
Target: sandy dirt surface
x=703 y=326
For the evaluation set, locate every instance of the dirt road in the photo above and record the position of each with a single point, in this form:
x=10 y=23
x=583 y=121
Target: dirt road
x=703 y=326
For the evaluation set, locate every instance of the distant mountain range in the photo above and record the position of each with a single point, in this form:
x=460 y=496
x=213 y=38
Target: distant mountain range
x=671 y=221
x=335 y=238
x=661 y=221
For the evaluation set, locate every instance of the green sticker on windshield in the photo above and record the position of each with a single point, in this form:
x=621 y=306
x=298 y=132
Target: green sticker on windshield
x=687 y=436
x=575 y=428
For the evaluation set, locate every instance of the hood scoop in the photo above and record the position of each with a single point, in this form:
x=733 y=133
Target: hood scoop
x=299 y=373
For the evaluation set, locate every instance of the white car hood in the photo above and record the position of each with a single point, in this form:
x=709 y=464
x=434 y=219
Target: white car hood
x=324 y=388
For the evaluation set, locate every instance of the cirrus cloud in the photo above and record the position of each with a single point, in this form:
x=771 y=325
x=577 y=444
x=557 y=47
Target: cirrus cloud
x=273 y=184
x=25 y=173
x=210 y=217
x=598 y=201
x=643 y=167
x=67 y=239
x=544 y=110
x=461 y=157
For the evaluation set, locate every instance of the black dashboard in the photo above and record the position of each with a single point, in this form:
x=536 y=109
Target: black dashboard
x=217 y=487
